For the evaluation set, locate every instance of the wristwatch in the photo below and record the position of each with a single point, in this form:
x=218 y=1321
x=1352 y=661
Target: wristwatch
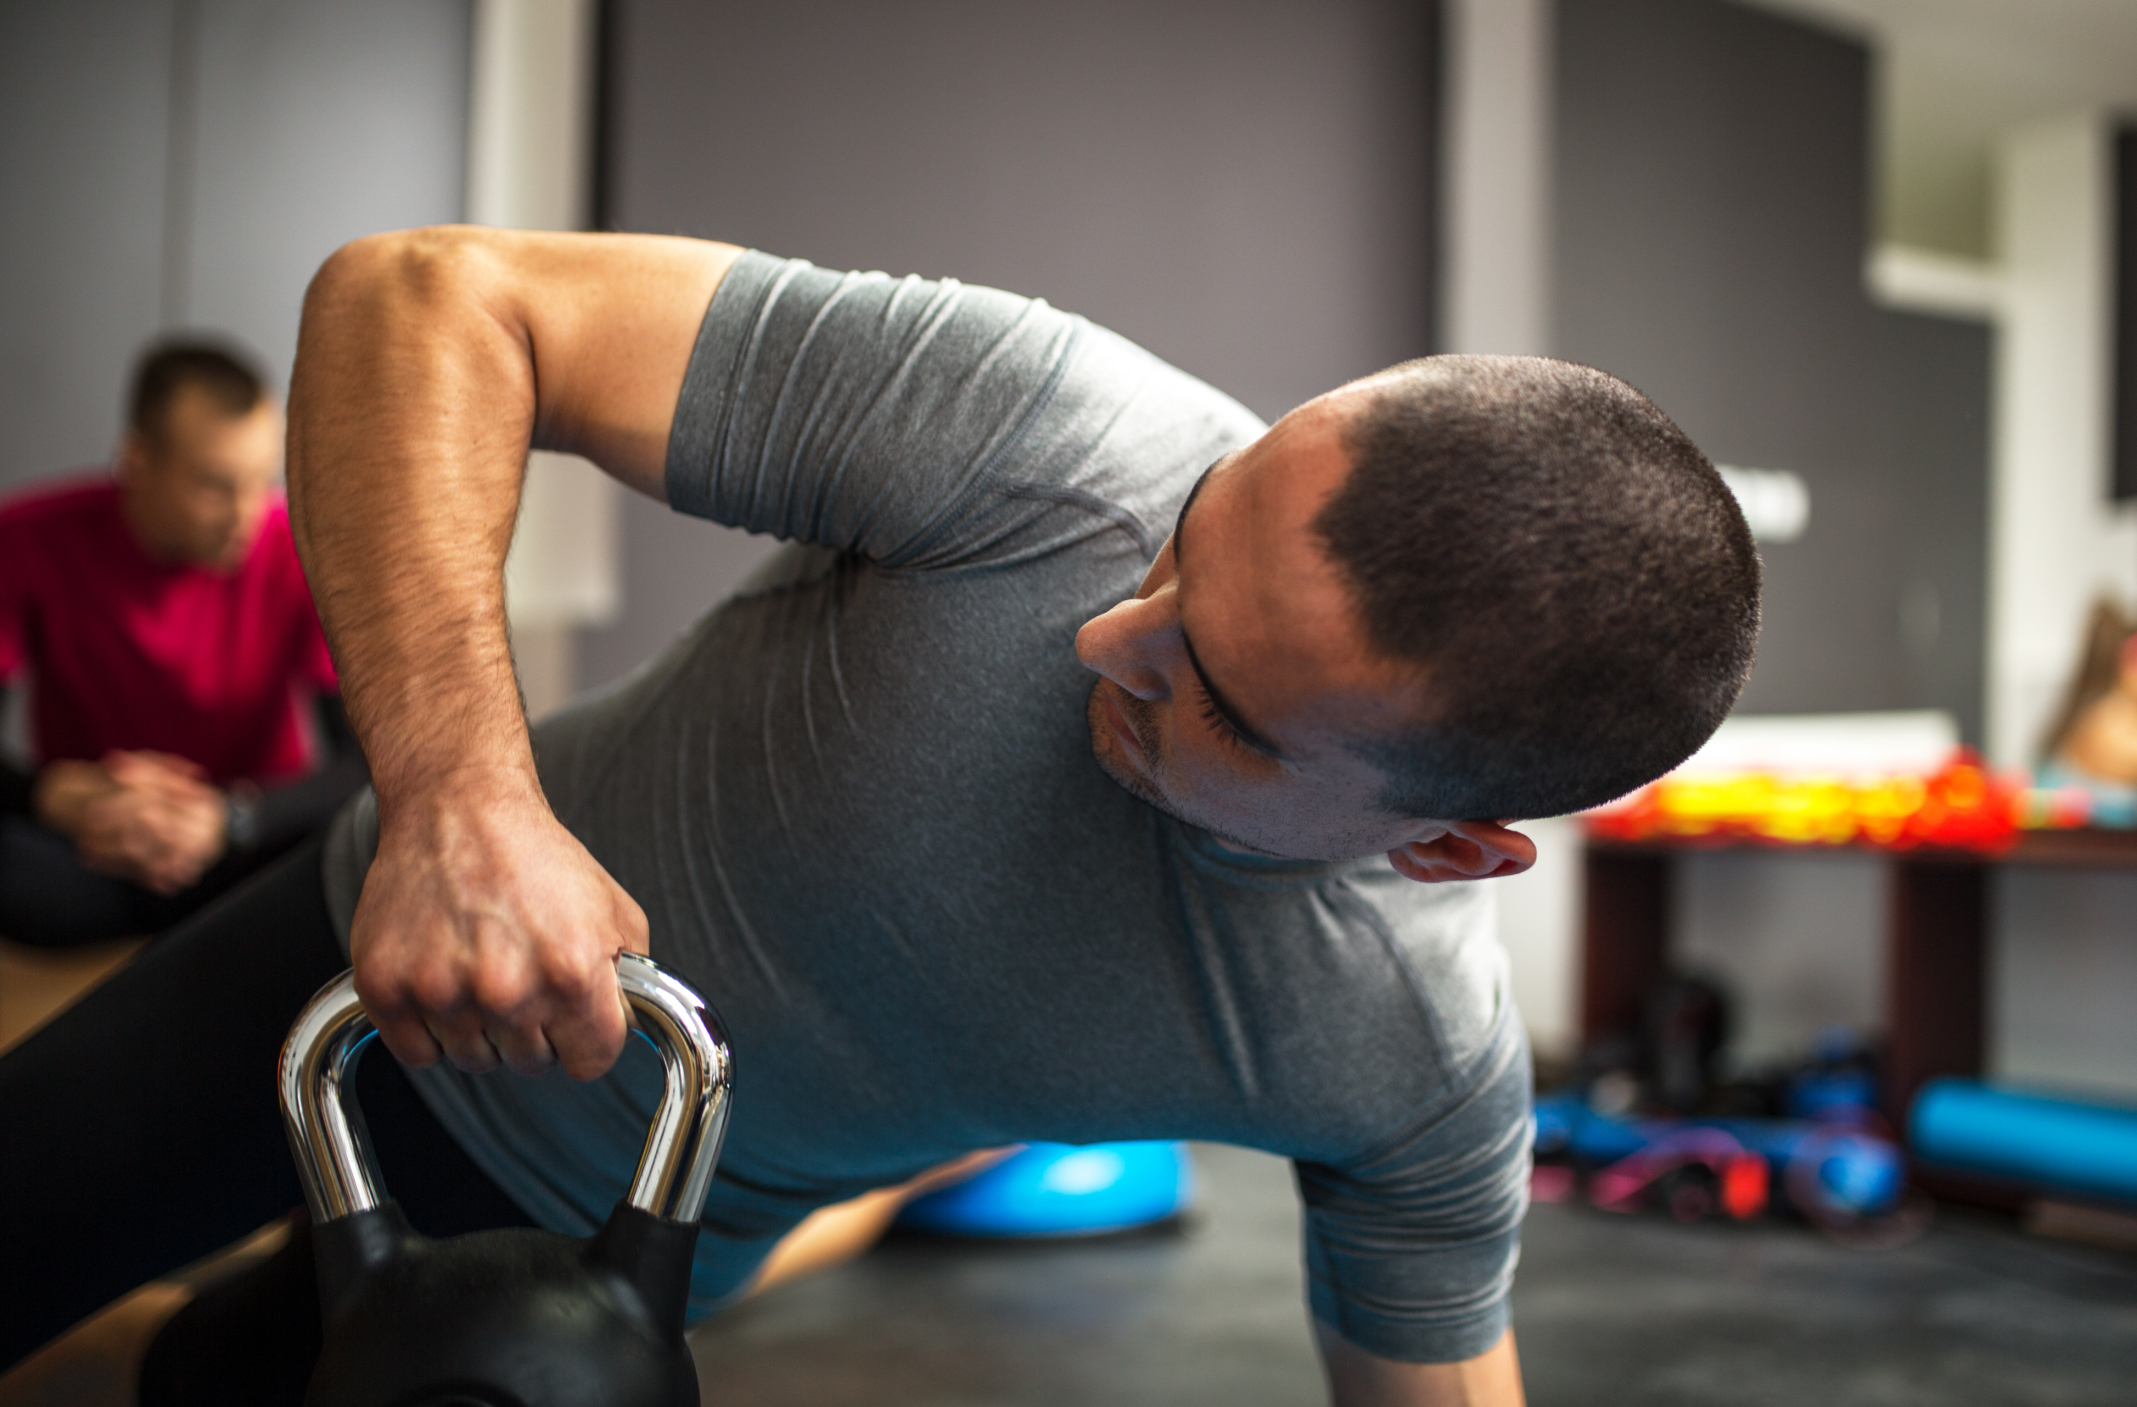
x=241 y=817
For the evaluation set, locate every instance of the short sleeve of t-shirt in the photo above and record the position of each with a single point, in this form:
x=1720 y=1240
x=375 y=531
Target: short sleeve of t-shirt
x=1410 y=1249
x=927 y=425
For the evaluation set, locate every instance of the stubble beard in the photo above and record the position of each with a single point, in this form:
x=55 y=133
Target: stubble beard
x=1113 y=758
x=1107 y=749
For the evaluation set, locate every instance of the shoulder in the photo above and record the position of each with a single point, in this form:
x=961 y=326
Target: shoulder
x=48 y=525
x=926 y=423
x=1363 y=999
x=1441 y=941
x=86 y=496
x=1034 y=360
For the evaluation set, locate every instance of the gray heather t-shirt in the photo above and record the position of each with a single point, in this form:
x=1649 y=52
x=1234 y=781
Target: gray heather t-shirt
x=859 y=805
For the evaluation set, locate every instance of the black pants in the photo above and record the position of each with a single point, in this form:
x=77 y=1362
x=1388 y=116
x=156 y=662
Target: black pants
x=50 y=899
x=139 y=1131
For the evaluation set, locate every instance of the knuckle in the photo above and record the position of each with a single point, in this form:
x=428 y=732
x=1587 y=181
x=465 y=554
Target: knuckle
x=499 y=993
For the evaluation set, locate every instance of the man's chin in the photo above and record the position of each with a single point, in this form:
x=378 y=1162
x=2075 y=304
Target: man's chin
x=1112 y=759
x=1111 y=756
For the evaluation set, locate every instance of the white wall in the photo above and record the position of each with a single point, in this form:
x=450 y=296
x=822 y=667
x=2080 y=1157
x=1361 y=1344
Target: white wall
x=2063 y=981
x=2055 y=539
x=1496 y=268
x=2064 y=974
x=1495 y=283
x=1797 y=939
x=1539 y=922
x=530 y=146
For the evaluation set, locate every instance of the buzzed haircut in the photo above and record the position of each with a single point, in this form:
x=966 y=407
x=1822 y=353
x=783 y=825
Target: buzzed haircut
x=229 y=380
x=1572 y=579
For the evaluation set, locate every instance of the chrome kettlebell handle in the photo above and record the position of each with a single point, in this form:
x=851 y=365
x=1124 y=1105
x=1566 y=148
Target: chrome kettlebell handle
x=340 y=1172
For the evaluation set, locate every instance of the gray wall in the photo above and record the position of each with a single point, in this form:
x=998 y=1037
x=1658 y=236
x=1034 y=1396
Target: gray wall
x=84 y=94
x=1241 y=185
x=1712 y=217
x=188 y=163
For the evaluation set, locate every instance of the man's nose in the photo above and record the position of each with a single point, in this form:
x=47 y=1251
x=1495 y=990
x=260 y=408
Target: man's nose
x=1132 y=645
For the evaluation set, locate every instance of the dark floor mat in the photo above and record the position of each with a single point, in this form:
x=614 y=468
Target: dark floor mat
x=1626 y=1311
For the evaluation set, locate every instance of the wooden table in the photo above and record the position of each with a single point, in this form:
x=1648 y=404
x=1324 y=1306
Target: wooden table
x=1936 y=939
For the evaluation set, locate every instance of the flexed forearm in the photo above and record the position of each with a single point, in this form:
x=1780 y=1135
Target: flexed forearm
x=411 y=411
x=427 y=365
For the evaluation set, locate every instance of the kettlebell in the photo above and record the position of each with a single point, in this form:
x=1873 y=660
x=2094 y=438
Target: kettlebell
x=507 y=1318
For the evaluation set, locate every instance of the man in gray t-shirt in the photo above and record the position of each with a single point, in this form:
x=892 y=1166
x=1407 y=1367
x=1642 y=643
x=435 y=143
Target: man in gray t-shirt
x=948 y=891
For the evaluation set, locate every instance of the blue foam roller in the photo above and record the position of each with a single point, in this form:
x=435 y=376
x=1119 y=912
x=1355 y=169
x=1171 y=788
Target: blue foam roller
x=2064 y=1144
x=1061 y=1189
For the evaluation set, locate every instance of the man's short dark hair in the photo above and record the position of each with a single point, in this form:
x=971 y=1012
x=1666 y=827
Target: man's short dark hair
x=1570 y=575
x=229 y=380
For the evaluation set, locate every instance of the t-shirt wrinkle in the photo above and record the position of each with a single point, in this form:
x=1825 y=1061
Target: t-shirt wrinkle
x=929 y=919
x=1469 y=1084
x=1366 y=920
x=987 y=473
x=719 y=427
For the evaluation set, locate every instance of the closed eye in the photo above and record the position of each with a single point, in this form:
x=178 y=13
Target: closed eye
x=1214 y=716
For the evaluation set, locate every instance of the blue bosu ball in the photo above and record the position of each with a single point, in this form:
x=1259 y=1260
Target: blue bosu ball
x=1062 y=1189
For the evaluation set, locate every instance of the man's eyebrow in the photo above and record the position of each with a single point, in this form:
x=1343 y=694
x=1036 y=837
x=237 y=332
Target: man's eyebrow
x=1218 y=701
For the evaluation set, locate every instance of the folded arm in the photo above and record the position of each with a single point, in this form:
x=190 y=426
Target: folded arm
x=428 y=363
x=157 y=821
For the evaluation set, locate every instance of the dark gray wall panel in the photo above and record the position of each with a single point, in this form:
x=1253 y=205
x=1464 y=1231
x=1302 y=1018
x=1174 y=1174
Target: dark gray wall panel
x=1240 y=185
x=84 y=92
x=318 y=121
x=1711 y=220
x=300 y=124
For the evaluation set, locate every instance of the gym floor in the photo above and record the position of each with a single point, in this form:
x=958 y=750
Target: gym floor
x=1618 y=1310
x=1627 y=1311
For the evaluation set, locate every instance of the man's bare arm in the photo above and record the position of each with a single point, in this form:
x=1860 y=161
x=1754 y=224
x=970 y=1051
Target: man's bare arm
x=1360 y=1379
x=427 y=365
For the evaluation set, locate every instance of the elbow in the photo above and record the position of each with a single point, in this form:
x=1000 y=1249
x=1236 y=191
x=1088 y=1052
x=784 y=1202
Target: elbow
x=382 y=315
x=420 y=267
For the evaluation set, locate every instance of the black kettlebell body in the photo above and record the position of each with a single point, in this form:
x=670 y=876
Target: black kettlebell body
x=511 y=1318
x=508 y=1318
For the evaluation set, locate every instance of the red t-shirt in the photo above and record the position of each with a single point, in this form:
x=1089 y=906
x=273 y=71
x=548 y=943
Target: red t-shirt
x=126 y=652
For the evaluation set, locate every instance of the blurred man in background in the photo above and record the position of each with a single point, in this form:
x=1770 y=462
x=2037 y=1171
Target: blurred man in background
x=159 y=622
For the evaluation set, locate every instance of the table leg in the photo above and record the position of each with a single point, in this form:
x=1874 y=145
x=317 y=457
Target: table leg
x=1625 y=940
x=1936 y=977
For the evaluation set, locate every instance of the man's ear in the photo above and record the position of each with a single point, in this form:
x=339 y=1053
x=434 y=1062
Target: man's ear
x=1465 y=850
